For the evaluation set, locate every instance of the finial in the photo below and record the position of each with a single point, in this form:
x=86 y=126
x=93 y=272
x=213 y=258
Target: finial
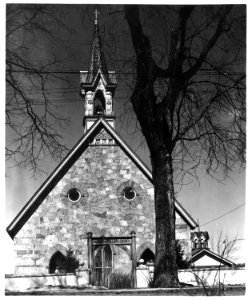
x=198 y=225
x=96 y=13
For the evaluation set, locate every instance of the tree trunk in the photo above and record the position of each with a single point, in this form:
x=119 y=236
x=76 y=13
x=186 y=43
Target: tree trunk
x=155 y=122
x=165 y=271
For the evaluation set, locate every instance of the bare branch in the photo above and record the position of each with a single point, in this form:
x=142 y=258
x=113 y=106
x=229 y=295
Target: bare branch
x=224 y=11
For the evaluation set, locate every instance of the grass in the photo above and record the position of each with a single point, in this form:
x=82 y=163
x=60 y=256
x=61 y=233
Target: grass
x=120 y=280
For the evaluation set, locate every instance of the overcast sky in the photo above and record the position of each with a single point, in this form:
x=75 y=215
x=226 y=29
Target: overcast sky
x=216 y=206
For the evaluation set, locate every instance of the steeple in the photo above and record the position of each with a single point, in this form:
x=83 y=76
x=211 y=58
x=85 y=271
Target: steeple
x=97 y=84
x=97 y=58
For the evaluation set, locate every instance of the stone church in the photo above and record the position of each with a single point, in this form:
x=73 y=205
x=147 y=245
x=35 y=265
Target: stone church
x=99 y=201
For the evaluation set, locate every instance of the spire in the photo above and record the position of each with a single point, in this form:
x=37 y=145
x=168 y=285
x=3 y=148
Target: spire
x=97 y=58
x=96 y=13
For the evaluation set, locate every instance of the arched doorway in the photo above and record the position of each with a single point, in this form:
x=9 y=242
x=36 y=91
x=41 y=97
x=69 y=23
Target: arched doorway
x=56 y=261
x=103 y=264
x=147 y=255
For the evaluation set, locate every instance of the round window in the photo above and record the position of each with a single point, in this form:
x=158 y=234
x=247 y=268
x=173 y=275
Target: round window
x=74 y=195
x=129 y=193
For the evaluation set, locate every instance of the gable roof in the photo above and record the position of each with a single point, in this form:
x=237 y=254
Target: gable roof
x=66 y=164
x=215 y=256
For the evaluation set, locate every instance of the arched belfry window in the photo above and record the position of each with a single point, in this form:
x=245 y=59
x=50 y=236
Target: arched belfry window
x=56 y=262
x=99 y=103
x=147 y=255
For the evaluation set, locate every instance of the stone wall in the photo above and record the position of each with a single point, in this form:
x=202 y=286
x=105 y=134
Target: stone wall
x=100 y=174
x=191 y=276
x=207 y=277
x=24 y=283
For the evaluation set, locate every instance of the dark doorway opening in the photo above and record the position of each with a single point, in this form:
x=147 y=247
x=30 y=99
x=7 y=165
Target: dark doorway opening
x=56 y=262
x=148 y=256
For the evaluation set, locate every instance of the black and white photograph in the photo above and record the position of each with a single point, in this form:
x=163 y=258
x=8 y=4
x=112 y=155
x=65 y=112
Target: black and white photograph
x=125 y=149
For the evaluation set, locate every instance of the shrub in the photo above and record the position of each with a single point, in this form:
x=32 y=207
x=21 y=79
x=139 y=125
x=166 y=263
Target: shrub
x=70 y=264
x=182 y=263
x=120 y=280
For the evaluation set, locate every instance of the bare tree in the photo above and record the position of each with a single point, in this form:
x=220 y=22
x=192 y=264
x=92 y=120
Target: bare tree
x=225 y=246
x=188 y=96
x=30 y=115
x=190 y=103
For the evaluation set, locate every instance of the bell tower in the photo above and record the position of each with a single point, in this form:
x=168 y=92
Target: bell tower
x=97 y=84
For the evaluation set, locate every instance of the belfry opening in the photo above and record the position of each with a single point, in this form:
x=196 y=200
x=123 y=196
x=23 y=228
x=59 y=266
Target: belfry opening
x=99 y=104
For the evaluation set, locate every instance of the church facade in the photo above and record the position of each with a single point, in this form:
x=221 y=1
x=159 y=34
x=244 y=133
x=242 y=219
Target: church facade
x=101 y=189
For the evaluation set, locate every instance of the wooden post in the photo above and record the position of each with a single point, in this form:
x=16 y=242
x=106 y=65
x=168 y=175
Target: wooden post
x=133 y=255
x=90 y=256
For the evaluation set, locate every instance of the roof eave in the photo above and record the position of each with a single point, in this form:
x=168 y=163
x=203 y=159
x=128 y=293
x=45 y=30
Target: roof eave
x=213 y=255
x=67 y=162
x=51 y=181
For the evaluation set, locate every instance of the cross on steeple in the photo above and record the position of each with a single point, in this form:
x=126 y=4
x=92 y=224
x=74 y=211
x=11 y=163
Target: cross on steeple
x=96 y=13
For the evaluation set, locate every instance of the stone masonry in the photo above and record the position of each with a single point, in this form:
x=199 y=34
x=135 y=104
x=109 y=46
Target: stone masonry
x=100 y=174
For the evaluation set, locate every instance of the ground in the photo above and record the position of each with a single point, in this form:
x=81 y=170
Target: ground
x=238 y=290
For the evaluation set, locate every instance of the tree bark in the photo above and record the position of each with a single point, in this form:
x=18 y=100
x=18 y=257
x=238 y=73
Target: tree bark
x=165 y=271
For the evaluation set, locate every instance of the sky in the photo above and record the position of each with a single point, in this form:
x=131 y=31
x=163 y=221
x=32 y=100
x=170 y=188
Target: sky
x=215 y=206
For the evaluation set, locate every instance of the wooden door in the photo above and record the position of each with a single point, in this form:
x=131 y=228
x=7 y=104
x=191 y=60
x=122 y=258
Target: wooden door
x=103 y=264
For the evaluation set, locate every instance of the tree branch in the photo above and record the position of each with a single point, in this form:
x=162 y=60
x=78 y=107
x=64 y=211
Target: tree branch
x=224 y=11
